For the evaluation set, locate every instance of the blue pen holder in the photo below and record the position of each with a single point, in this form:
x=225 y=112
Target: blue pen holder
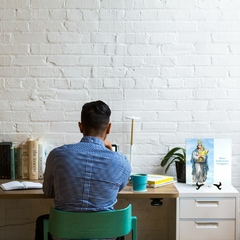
x=139 y=182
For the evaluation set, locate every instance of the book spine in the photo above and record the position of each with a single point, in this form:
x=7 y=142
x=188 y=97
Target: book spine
x=19 y=162
x=5 y=160
x=13 y=176
x=33 y=159
x=41 y=160
x=24 y=161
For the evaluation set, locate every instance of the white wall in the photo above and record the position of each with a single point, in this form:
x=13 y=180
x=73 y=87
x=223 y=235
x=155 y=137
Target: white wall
x=174 y=63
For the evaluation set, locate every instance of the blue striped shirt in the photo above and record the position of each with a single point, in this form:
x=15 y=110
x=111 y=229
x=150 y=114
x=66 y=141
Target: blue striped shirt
x=85 y=176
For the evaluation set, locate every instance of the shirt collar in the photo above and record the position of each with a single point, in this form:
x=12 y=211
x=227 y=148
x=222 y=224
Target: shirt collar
x=92 y=140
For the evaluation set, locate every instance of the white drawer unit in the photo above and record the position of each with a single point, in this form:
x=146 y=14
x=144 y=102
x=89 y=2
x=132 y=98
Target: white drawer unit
x=207 y=213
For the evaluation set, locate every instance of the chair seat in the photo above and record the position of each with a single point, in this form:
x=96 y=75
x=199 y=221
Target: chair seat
x=90 y=225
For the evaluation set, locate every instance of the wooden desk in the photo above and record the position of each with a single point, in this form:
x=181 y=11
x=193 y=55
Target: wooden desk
x=20 y=209
x=168 y=191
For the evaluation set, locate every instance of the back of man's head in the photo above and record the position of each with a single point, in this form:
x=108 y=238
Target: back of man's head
x=95 y=117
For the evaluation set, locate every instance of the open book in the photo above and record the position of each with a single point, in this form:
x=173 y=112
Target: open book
x=13 y=185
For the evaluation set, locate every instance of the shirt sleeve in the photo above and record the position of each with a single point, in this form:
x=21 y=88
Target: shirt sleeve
x=126 y=174
x=48 y=187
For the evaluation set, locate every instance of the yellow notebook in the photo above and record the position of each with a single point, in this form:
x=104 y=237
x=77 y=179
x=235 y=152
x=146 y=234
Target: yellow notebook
x=156 y=179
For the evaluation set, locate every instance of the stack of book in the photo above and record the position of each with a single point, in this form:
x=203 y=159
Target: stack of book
x=24 y=161
x=156 y=180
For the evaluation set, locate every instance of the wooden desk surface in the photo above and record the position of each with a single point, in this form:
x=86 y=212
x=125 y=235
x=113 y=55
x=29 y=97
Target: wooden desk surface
x=168 y=191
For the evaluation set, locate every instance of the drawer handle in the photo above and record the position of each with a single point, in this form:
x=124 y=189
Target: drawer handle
x=209 y=202
x=206 y=224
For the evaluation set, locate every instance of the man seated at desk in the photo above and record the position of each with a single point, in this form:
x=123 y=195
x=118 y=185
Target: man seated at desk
x=85 y=176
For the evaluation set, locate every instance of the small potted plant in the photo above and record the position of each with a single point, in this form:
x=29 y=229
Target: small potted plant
x=177 y=155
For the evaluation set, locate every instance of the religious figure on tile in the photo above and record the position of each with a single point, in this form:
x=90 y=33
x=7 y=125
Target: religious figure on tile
x=199 y=162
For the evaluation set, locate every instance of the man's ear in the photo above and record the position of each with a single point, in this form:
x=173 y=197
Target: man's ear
x=80 y=127
x=108 y=128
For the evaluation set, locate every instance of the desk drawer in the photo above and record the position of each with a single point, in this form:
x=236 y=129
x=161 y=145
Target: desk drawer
x=207 y=229
x=207 y=208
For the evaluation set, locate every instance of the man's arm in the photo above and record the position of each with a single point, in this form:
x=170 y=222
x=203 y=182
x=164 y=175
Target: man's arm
x=48 y=187
x=126 y=174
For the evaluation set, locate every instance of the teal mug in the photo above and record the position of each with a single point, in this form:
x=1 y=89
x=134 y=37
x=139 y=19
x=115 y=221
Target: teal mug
x=139 y=182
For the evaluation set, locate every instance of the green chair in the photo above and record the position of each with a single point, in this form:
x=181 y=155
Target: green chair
x=90 y=225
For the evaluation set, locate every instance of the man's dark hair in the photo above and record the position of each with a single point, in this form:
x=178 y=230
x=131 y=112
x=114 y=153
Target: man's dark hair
x=95 y=117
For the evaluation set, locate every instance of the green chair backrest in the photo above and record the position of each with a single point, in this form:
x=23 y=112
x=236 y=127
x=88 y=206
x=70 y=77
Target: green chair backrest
x=87 y=225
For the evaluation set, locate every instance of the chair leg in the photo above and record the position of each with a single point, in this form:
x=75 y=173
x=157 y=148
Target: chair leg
x=134 y=228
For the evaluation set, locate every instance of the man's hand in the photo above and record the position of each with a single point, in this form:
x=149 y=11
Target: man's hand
x=108 y=144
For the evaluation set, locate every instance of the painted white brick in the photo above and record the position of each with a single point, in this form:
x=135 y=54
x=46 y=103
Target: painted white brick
x=211 y=72
x=72 y=94
x=7 y=14
x=14 y=49
x=159 y=126
x=5 y=4
x=63 y=60
x=61 y=83
x=117 y=4
x=47 y=49
x=63 y=37
x=192 y=105
x=234 y=72
x=44 y=83
x=5 y=38
x=75 y=72
x=63 y=106
x=199 y=37
x=177 y=71
x=4 y=106
x=141 y=94
x=14 y=116
x=40 y=14
x=227 y=37
x=234 y=60
x=159 y=105
x=173 y=63
x=87 y=26
x=14 y=94
x=235 y=48
x=57 y=14
x=160 y=38
x=211 y=49
x=112 y=94
x=210 y=94
x=47 y=4
x=224 y=105
x=199 y=127
x=27 y=105
x=64 y=127
x=77 y=83
x=177 y=49
x=32 y=127
x=5 y=60
x=13 y=71
x=47 y=116
x=34 y=37
x=181 y=4
x=13 y=83
x=46 y=26
x=81 y=4
x=45 y=72
x=29 y=61
x=80 y=48
x=194 y=60
x=169 y=116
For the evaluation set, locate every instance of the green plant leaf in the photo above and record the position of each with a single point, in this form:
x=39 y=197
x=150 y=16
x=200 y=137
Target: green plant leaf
x=176 y=154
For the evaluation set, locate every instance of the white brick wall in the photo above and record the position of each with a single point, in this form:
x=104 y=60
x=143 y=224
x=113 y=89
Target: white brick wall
x=174 y=63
